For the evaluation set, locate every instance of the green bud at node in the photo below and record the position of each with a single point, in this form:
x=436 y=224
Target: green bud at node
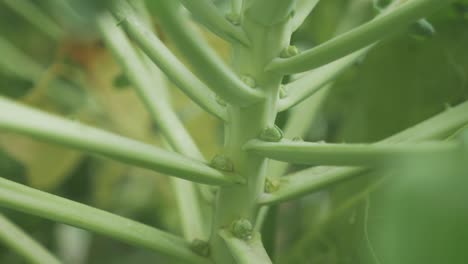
x=283 y=92
x=272 y=185
x=297 y=139
x=422 y=29
x=292 y=13
x=234 y=18
x=121 y=81
x=120 y=22
x=220 y=101
x=249 y=81
x=272 y=134
x=242 y=229
x=290 y=51
x=200 y=247
x=380 y=5
x=359 y=61
x=223 y=163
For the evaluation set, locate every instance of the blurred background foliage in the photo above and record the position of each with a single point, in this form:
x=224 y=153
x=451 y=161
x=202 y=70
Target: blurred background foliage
x=418 y=216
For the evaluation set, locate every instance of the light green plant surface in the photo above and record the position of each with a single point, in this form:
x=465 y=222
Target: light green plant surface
x=243 y=96
x=21 y=242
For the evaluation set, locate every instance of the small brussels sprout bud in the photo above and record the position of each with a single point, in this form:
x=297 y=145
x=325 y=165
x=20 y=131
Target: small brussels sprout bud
x=220 y=101
x=249 y=81
x=292 y=13
x=223 y=163
x=422 y=29
x=200 y=247
x=234 y=18
x=380 y=5
x=283 y=92
x=242 y=229
x=121 y=81
x=121 y=21
x=297 y=139
x=272 y=185
x=359 y=61
x=272 y=134
x=290 y=51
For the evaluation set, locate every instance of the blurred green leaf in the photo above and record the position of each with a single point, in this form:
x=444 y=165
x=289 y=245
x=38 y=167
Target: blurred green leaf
x=13 y=86
x=401 y=82
x=422 y=214
x=11 y=168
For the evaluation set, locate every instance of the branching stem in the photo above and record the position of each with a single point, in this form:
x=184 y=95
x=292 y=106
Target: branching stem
x=206 y=63
x=246 y=123
x=356 y=39
x=175 y=70
x=246 y=252
x=31 y=122
x=22 y=198
x=160 y=110
x=206 y=12
x=307 y=181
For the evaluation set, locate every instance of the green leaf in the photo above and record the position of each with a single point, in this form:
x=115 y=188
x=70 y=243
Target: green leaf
x=310 y=180
x=11 y=167
x=14 y=87
x=422 y=77
x=421 y=214
x=358 y=38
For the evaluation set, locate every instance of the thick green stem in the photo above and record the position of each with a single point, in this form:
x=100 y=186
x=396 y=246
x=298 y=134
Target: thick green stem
x=246 y=123
x=246 y=252
x=234 y=203
x=304 y=7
